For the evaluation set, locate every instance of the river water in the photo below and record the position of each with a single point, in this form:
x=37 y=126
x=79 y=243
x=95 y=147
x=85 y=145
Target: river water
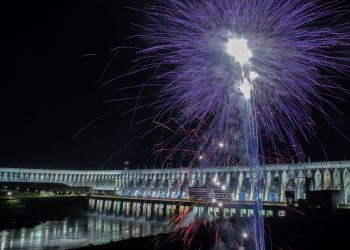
x=78 y=232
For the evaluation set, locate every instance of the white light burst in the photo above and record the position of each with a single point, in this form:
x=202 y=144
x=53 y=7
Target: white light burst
x=239 y=50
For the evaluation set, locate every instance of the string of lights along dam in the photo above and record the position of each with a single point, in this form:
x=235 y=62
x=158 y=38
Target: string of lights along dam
x=235 y=183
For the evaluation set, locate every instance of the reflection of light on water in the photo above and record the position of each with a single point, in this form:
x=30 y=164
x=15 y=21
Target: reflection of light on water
x=2 y=244
x=23 y=235
x=64 y=227
x=47 y=234
x=22 y=242
x=76 y=226
x=72 y=233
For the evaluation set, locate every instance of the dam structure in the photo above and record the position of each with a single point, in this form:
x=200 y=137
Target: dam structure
x=175 y=183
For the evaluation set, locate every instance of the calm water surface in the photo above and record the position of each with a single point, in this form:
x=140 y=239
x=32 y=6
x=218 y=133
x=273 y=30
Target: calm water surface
x=77 y=232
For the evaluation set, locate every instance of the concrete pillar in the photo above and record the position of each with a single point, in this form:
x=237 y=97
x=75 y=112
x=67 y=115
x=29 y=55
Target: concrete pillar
x=336 y=180
x=120 y=208
x=300 y=185
x=101 y=206
x=253 y=183
x=318 y=180
x=346 y=181
x=227 y=180
x=167 y=212
x=267 y=186
x=139 y=210
x=133 y=208
x=283 y=185
x=327 y=180
x=153 y=212
x=109 y=207
x=204 y=178
x=114 y=209
x=142 y=209
x=128 y=209
x=239 y=185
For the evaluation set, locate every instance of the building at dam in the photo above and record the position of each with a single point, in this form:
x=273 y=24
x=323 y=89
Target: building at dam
x=238 y=182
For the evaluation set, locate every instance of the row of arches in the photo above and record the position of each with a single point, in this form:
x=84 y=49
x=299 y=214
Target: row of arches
x=96 y=181
x=242 y=185
x=174 y=183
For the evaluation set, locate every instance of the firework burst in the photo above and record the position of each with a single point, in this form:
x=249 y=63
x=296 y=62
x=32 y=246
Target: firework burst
x=237 y=70
x=213 y=56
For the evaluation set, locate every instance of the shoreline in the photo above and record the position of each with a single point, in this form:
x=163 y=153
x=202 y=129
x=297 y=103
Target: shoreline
x=26 y=211
x=27 y=223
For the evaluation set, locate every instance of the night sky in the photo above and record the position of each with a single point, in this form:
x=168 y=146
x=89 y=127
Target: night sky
x=53 y=57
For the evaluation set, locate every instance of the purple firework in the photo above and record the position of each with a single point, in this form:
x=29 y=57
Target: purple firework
x=213 y=56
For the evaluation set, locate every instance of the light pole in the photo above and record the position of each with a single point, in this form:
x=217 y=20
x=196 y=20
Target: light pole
x=244 y=236
x=201 y=158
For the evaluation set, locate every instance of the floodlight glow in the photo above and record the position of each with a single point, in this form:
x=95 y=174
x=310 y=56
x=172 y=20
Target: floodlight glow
x=214 y=200
x=201 y=157
x=220 y=204
x=223 y=188
x=9 y=193
x=239 y=50
x=221 y=145
x=245 y=235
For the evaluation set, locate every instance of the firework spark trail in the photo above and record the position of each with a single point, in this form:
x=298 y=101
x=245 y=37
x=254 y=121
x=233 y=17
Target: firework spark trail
x=252 y=145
